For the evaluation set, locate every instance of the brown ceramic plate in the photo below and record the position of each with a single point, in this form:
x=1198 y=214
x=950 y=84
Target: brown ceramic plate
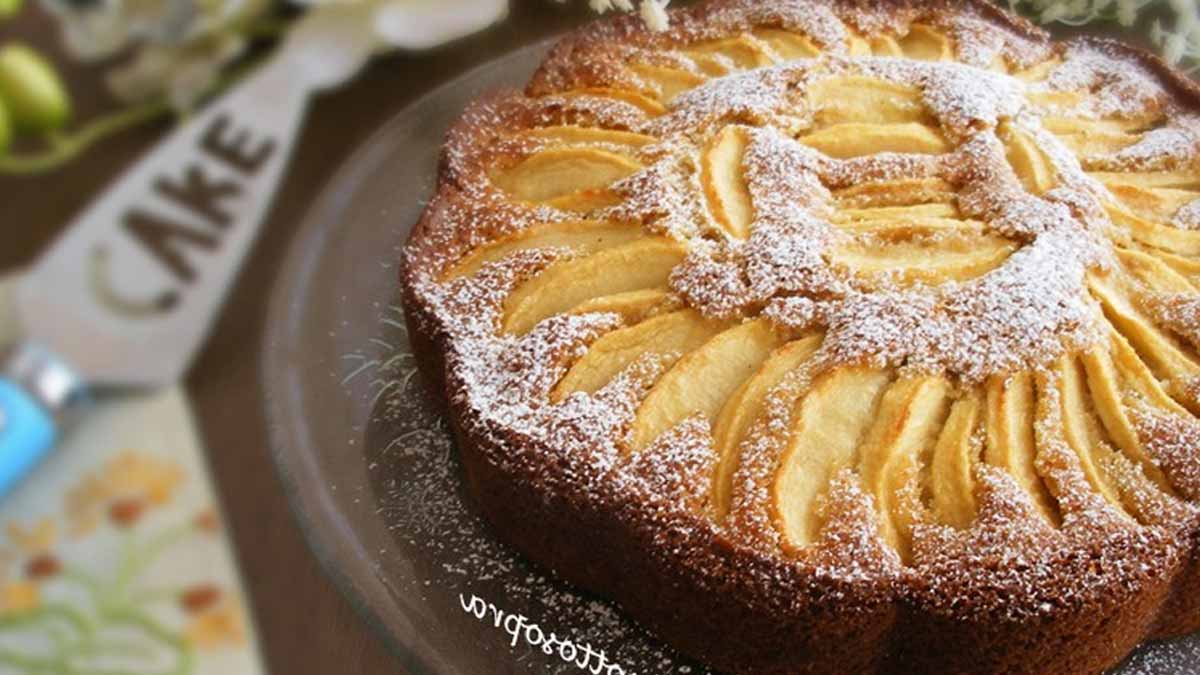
x=372 y=474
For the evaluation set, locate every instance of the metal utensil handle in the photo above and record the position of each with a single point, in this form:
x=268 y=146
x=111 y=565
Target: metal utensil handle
x=37 y=394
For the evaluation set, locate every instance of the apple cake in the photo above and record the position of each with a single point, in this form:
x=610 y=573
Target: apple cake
x=839 y=336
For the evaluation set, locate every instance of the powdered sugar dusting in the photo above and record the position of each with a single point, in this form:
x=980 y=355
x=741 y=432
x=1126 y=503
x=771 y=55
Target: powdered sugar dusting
x=1178 y=312
x=1119 y=87
x=1021 y=311
x=1188 y=217
x=1160 y=149
x=1174 y=442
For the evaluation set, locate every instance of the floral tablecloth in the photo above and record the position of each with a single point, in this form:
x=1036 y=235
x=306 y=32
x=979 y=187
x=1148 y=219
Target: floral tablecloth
x=113 y=560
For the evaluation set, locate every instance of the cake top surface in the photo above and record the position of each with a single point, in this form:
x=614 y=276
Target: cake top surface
x=867 y=288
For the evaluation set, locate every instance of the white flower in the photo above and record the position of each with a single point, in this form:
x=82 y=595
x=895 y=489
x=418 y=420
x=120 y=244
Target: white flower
x=1173 y=48
x=654 y=13
x=91 y=34
x=1127 y=12
x=101 y=28
x=422 y=24
x=176 y=48
x=1188 y=13
x=1157 y=34
x=1179 y=41
x=602 y=6
x=183 y=74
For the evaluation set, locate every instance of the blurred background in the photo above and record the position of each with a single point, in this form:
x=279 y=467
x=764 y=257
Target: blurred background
x=304 y=625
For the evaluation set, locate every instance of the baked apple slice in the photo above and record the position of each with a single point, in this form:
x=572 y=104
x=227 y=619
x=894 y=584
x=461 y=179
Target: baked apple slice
x=1178 y=179
x=856 y=139
x=574 y=150
x=1011 y=446
x=558 y=172
x=902 y=192
x=923 y=43
x=828 y=425
x=1189 y=268
x=912 y=226
x=1081 y=430
x=667 y=336
x=1166 y=358
x=885 y=45
x=1154 y=204
x=786 y=45
x=1028 y=160
x=1089 y=137
x=1142 y=391
x=1154 y=272
x=572 y=135
x=1175 y=240
x=910 y=212
x=649 y=106
x=701 y=381
x=632 y=306
x=952 y=469
x=1057 y=122
x=667 y=82
x=858 y=99
x=911 y=414
x=640 y=264
x=719 y=57
x=1105 y=386
x=935 y=260
x=724 y=183
x=857 y=46
x=1038 y=72
x=579 y=236
x=1057 y=100
x=745 y=406
x=1137 y=378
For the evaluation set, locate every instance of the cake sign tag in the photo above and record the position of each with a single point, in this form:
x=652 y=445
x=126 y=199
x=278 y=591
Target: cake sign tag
x=210 y=190
x=127 y=294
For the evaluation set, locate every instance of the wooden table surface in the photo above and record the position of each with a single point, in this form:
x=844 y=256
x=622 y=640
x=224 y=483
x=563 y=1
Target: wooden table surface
x=304 y=624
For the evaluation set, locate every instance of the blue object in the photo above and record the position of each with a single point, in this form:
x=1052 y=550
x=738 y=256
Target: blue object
x=27 y=433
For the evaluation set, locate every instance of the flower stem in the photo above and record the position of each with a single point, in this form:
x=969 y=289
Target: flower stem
x=270 y=27
x=63 y=149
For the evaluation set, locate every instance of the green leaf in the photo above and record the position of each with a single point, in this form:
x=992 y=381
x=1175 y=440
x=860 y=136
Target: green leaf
x=35 y=96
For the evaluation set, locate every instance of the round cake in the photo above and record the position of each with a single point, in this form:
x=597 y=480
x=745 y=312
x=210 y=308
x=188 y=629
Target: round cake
x=833 y=337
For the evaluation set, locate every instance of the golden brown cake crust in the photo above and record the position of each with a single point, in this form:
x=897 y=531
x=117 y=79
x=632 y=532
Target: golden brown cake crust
x=1013 y=593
